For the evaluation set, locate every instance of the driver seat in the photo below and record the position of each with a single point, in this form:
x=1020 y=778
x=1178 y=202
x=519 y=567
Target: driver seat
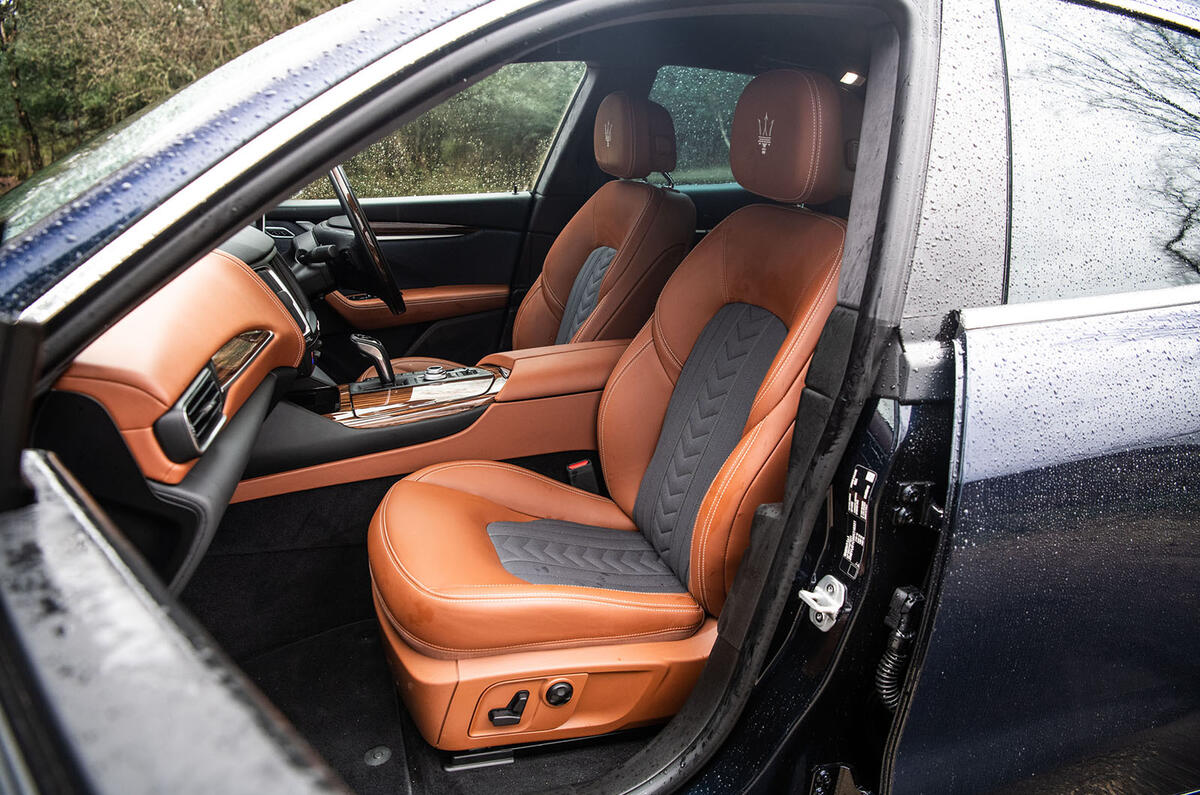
x=608 y=265
x=515 y=608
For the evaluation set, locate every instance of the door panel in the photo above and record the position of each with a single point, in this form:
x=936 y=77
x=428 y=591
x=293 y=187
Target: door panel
x=1064 y=644
x=421 y=304
x=453 y=257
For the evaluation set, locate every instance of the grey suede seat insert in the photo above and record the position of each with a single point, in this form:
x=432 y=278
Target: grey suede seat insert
x=550 y=552
x=585 y=293
x=705 y=417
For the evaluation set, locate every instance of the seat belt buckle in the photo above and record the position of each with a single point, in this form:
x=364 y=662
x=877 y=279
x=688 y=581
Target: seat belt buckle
x=582 y=475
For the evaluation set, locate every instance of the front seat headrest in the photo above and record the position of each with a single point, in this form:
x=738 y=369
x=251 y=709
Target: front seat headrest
x=633 y=137
x=787 y=140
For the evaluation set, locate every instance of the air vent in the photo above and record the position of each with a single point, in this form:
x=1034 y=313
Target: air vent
x=189 y=427
x=203 y=406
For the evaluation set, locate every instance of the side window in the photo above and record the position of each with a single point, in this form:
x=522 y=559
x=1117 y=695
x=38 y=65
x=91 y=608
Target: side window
x=1105 y=123
x=490 y=138
x=701 y=102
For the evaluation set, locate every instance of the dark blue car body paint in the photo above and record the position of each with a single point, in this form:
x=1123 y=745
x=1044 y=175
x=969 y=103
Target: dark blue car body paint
x=1064 y=647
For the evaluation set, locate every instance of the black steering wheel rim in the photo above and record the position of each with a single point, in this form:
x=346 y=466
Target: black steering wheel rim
x=386 y=286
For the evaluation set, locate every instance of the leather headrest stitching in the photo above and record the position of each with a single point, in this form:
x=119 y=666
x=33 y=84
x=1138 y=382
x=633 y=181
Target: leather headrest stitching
x=787 y=141
x=633 y=137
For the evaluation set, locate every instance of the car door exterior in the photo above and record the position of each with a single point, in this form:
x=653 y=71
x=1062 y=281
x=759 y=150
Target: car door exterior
x=1062 y=653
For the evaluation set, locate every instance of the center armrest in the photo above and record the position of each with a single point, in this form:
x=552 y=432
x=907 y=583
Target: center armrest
x=557 y=369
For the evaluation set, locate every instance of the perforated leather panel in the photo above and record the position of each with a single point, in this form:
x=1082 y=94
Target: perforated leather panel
x=705 y=419
x=551 y=552
x=585 y=293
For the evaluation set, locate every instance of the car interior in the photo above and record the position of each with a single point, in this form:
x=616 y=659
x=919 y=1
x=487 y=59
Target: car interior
x=463 y=482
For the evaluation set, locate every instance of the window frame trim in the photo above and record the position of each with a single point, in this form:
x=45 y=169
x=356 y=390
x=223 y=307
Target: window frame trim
x=1079 y=306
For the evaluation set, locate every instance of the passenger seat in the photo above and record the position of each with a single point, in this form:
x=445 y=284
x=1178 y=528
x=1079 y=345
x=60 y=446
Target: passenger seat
x=515 y=608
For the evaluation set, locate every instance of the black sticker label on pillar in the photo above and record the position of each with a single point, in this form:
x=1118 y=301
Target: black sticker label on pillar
x=858 y=506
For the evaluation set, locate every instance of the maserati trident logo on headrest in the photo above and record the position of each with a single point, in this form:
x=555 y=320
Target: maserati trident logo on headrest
x=765 y=126
x=608 y=134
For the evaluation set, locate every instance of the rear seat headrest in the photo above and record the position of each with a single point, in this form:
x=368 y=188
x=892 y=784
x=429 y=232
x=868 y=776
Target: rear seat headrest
x=633 y=137
x=787 y=141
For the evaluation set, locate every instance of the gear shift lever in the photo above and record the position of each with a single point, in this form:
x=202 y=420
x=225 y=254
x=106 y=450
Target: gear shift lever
x=373 y=349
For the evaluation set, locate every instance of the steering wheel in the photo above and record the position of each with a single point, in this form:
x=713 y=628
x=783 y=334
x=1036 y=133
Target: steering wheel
x=367 y=247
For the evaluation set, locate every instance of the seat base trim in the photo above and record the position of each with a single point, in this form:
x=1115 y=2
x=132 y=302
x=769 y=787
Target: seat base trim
x=616 y=686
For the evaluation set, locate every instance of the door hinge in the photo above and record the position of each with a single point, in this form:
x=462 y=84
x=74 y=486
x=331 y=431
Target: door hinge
x=834 y=779
x=916 y=507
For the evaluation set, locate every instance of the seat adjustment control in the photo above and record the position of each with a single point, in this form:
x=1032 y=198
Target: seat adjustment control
x=510 y=715
x=559 y=693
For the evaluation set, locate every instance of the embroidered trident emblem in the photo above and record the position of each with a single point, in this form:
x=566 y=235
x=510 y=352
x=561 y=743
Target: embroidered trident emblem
x=608 y=134
x=765 y=126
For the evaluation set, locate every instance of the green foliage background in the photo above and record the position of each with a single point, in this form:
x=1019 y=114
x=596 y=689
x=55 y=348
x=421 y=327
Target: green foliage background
x=73 y=68
x=491 y=137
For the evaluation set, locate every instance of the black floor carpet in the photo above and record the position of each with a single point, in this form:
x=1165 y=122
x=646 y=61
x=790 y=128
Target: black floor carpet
x=337 y=691
x=533 y=771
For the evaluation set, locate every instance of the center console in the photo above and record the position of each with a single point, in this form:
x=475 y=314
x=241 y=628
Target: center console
x=413 y=397
x=509 y=405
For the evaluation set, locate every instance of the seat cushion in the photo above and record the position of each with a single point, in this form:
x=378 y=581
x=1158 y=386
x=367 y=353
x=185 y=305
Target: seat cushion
x=441 y=584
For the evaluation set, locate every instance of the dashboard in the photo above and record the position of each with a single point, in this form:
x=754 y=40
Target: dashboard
x=157 y=416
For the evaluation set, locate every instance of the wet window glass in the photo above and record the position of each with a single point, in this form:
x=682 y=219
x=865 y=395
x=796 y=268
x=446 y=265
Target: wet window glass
x=490 y=138
x=1105 y=117
x=701 y=103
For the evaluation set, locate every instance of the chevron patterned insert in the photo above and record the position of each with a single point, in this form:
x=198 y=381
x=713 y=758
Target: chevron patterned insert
x=550 y=552
x=585 y=293
x=707 y=412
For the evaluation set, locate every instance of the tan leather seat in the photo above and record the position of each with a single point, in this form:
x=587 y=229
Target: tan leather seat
x=606 y=268
x=478 y=559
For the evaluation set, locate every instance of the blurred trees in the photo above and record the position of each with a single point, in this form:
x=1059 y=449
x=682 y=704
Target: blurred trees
x=491 y=137
x=73 y=68
x=701 y=102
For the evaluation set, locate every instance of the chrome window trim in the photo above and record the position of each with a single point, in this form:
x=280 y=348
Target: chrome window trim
x=1084 y=306
x=256 y=150
x=395 y=238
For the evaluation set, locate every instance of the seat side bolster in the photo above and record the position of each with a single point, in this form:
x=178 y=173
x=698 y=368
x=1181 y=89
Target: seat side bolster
x=542 y=309
x=753 y=474
x=655 y=243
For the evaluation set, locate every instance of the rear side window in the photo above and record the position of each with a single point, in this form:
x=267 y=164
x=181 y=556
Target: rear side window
x=1105 y=122
x=490 y=138
x=701 y=103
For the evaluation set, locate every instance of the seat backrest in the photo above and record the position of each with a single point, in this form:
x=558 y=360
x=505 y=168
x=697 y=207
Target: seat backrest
x=696 y=420
x=608 y=265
